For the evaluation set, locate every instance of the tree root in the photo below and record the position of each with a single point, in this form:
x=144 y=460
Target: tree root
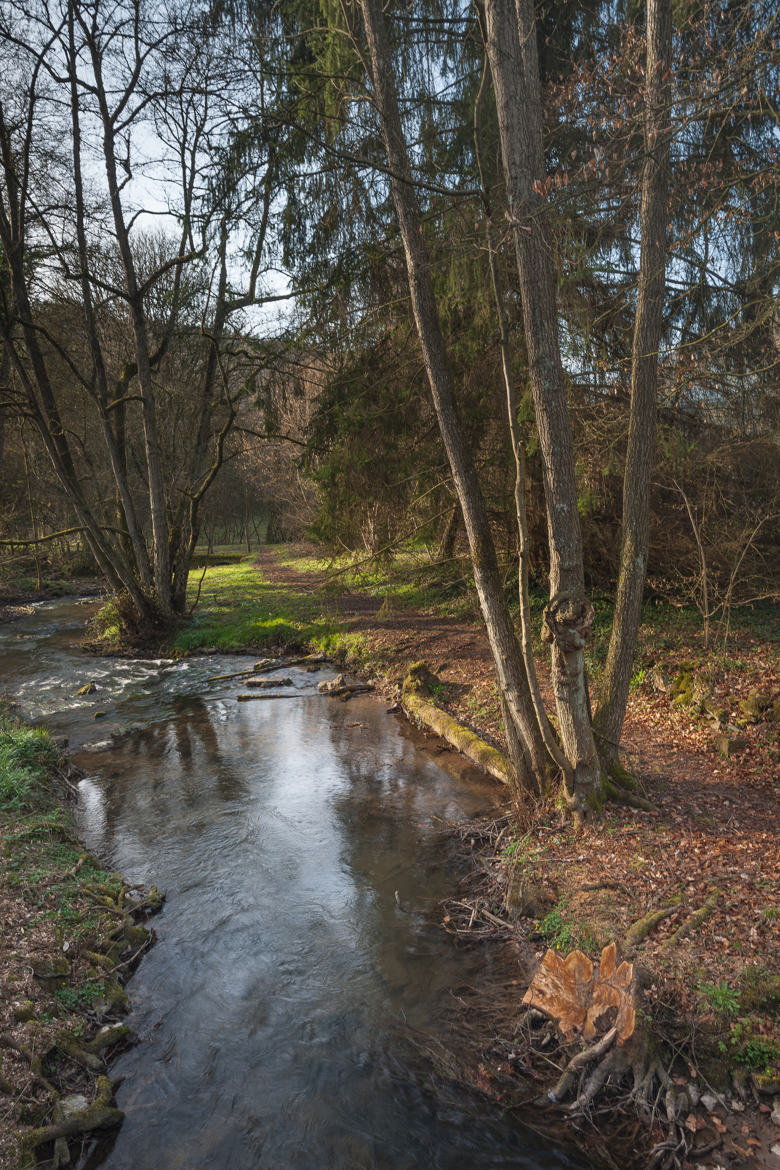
x=693 y=921
x=620 y=795
x=639 y=930
x=99 y=1115
x=651 y=1083
x=563 y=1087
x=619 y=786
x=612 y=1063
x=66 y=1043
x=36 y=1067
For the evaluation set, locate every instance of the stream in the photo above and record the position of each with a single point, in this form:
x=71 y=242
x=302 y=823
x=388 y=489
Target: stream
x=274 y=1012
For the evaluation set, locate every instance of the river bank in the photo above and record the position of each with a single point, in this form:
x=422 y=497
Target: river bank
x=690 y=890
x=72 y=935
x=709 y=991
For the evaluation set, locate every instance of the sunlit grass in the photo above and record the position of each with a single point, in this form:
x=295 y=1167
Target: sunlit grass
x=238 y=609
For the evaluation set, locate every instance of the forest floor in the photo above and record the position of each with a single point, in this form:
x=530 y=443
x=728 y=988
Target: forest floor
x=712 y=842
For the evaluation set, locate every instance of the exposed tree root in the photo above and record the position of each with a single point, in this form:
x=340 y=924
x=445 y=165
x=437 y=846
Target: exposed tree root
x=619 y=786
x=99 y=1115
x=639 y=930
x=693 y=921
x=620 y=795
x=578 y=1062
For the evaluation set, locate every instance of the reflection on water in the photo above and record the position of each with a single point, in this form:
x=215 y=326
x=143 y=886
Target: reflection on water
x=270 y=1013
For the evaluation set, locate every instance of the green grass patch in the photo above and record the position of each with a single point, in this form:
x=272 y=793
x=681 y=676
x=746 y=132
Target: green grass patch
x=26 y=755
x=237 y=609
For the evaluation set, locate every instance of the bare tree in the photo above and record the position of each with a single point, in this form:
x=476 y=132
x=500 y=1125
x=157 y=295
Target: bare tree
x=111 y=115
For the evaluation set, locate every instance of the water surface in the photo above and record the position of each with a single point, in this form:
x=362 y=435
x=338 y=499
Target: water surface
x=274 y=1011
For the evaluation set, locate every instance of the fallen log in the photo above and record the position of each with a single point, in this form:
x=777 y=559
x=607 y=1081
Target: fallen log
x=255 y=698
x=268 y=665
x=418 y=702
x=692 y=922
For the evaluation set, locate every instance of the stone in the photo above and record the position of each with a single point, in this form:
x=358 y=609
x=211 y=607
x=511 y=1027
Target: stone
x=108 y=1035
x=753 y=707
x=709 y=1101
x=767 y=1084
x=776 y=1150
x=775 y=1115
x=73 y=1103
x=730 y=745
x=51 y=968
x=24 y=1011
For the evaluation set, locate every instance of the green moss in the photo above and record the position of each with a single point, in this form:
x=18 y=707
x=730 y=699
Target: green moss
x=597 y=798
x=682 y=688
x=753 y=708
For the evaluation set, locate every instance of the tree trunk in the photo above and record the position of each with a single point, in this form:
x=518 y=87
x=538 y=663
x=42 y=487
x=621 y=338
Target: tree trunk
x=528 y=754
x=155 y=477
x=133 y=545
x=446 y=549
x=511 y=46
x=5 y=371
x=644 y=383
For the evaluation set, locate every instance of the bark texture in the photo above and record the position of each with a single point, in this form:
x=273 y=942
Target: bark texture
x=644 y=382
x=511 y=46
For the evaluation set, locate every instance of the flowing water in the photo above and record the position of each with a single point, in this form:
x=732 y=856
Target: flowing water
x=274 y=1012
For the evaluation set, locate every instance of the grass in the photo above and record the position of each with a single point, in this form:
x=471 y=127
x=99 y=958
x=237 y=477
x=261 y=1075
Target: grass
x=26 y=755
x=237 y=609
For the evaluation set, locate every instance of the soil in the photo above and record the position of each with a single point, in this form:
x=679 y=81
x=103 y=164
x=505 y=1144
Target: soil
x=713 y=838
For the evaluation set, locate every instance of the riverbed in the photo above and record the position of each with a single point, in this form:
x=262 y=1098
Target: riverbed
x=300 y=843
